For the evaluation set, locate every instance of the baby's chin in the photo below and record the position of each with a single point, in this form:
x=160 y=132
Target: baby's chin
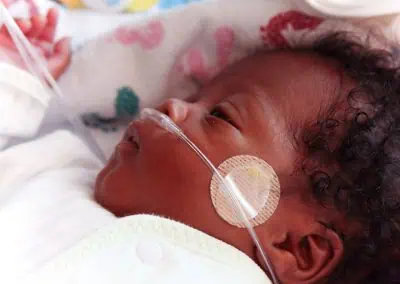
x=115 y=190
x=100 y=191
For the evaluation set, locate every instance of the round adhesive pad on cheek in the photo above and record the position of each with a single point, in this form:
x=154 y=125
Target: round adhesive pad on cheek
x=258 y=187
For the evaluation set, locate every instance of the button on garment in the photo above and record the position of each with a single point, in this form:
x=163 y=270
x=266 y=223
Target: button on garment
x=149 y=252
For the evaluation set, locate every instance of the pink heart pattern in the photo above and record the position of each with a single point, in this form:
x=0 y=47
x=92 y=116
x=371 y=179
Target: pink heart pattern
x=148 y=37
x=272 y=32
x=195 y=63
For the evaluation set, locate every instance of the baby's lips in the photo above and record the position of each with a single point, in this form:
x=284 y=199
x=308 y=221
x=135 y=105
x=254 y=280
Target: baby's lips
x=129 y=145
x=132 y=133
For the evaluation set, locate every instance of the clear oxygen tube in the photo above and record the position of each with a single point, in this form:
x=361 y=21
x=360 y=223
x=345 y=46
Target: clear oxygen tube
x=242 y=208
x=38 y=68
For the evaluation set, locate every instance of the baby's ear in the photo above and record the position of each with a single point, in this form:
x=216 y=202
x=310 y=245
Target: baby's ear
x=306 y=257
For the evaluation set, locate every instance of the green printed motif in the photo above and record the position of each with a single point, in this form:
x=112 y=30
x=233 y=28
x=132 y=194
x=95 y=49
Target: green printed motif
x=127 y=105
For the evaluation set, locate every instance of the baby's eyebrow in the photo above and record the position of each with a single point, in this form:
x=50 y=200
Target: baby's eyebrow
x=277 y=122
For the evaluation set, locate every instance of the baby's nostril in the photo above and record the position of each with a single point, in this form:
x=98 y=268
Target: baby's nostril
x=165 y=110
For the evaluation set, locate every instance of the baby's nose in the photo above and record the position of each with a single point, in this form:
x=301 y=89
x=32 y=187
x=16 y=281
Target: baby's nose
x=175 y=109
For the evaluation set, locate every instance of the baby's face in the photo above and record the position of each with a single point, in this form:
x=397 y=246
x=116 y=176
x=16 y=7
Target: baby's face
x=256 y=107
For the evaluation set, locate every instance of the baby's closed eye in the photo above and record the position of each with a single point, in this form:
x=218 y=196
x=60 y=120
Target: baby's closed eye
x=222 y=112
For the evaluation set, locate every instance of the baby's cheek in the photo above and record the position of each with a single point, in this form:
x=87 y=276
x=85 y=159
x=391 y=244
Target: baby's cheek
x=113 y=189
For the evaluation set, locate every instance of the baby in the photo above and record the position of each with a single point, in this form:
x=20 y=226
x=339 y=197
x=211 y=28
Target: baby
x=327 y=123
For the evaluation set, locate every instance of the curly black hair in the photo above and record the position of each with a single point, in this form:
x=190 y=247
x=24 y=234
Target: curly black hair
x=366 y=184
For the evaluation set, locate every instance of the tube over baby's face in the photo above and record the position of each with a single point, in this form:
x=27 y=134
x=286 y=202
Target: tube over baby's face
x=258 y=107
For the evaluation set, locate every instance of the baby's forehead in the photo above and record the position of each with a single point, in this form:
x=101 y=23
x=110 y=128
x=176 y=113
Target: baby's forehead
x=297 y=82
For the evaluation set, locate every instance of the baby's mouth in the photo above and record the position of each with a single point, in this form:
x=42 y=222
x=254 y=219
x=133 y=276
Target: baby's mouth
x=132 y=136
x=134 y=142
x=130 y=142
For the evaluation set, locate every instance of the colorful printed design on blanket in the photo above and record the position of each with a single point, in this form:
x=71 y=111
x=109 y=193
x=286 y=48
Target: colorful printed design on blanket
x=148 y=37
x=127 y=105
x=167 y=4
x=273 y=33
x=196 y=64
x=115 y=6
